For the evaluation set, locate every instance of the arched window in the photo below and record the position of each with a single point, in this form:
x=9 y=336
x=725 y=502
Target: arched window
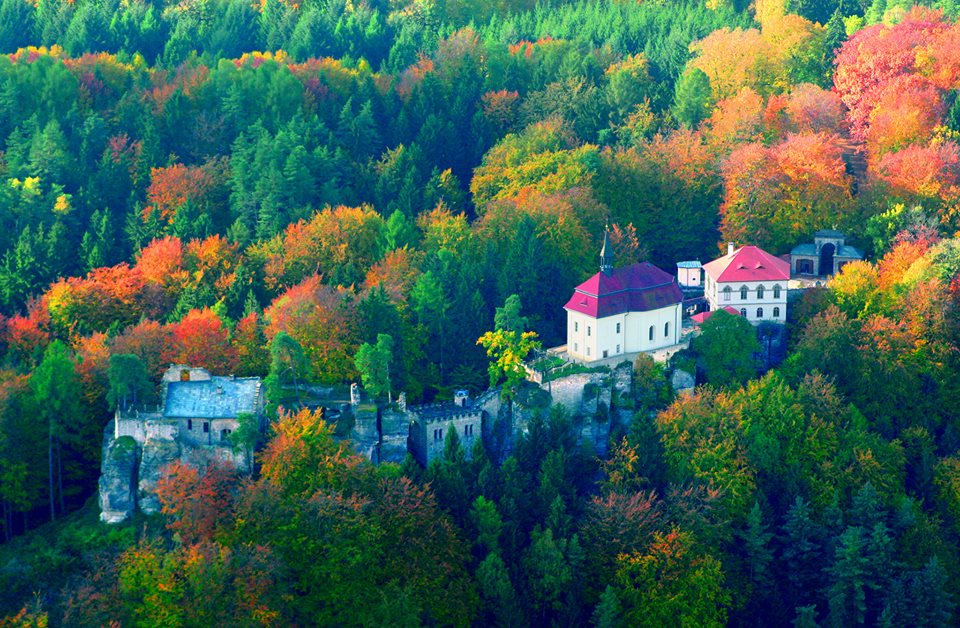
x=759 y=292
x=726 y=293
x=743 y=312
x=666 y=329
x=776 y=312
x=650 y=334
x=759 y=312
x=776 y=292
x=743 y=293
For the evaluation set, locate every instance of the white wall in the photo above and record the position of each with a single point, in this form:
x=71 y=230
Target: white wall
x=582 y=335
x=689 y=277
x=588 y=338
x=715 y=298
x=638 y=328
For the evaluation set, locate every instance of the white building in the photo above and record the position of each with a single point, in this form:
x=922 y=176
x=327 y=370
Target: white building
x=751 y=281
x=624 y=310
x=690 y=275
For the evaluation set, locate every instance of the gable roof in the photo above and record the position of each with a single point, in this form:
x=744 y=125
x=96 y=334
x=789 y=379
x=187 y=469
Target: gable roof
x=640 y=287
x=216 y=398
x=702 y=316
x=748 y=263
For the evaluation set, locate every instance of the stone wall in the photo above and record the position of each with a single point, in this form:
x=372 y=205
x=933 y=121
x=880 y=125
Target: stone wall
x=428 y=435
x=568 y=391
x=142 y=426
x=395 y=428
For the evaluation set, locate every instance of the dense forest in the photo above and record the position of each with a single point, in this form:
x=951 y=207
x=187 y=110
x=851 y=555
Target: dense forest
x=244 y=186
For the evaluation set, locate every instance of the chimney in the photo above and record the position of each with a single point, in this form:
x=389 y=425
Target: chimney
x=729 y=248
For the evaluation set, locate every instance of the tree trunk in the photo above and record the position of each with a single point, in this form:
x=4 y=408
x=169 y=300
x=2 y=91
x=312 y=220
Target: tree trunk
x=53 y=514
x=60 y=475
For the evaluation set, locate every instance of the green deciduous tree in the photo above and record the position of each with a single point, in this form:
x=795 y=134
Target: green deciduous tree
x=373 y=363
x=726 y=346
x=288 y=365
x=128 y=380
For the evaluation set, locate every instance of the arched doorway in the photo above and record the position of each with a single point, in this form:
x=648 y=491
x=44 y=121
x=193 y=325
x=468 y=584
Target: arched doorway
x=826 y=258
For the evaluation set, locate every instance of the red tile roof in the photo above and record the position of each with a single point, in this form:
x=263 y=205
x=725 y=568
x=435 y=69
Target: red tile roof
x=748 y=263
x=702 y=316
x=640 y=287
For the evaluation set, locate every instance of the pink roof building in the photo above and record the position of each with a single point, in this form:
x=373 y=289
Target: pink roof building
x=624 y=310
x=749 y=280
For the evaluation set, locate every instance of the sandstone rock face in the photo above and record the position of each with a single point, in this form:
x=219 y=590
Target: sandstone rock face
x=118 y=472
x=156 y=455
x=683 y=382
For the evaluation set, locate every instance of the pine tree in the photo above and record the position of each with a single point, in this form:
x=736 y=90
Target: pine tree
x=800 y=538
x=849 y=579
x=607 y=614
x=930 y=598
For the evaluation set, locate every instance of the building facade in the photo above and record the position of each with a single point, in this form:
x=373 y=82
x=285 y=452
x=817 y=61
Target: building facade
x=690 y=275
x=196 y=408
x=430 y=424
x=825 y=256
x=751 y=281
x=625 y=310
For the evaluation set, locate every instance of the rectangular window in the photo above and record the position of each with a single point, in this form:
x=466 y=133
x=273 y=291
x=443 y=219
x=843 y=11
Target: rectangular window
x=588 y=330
x=190 y=424
x=576 y=326
x=618 y=328
x=206 y=427
x=588 y=352
x=618 y=349
x=575 y=348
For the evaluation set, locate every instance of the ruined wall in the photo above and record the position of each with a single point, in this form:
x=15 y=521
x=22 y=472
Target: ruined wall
x=142 y=426
x=569 y=392
x=428 y=435
x=395 y=428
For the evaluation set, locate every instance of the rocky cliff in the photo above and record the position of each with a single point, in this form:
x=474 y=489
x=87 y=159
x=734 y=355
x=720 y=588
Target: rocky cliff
x=118 y=472
x=130 y=471
x=156 y=455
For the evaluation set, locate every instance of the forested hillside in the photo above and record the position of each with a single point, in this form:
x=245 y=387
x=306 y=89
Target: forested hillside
x=233 y=185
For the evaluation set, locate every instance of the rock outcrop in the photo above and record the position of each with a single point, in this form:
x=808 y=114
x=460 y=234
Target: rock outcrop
x=118 y=473
x=156 y=455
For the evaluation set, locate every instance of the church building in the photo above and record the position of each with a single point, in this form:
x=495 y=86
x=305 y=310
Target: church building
x=624 y=310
